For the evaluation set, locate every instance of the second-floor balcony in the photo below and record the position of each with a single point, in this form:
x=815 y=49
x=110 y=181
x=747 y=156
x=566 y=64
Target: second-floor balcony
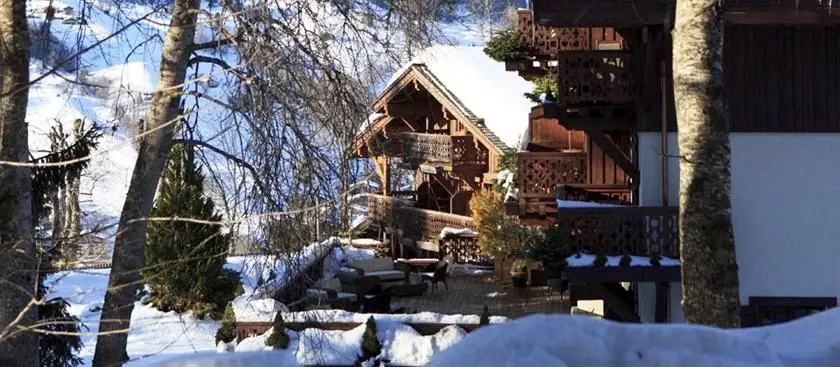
x=541 y=172
x=442 y=150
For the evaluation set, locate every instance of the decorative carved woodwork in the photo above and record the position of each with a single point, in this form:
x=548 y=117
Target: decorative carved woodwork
x=595 y=76
x=420 y=224
x=464 y=250
x=541 y=172
x=545 y=41
x=639 y=231
x=428 y=148
x=466 y=151
x=443 y=149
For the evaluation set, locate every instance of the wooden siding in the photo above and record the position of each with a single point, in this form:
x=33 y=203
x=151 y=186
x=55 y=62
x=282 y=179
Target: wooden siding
x=779 y=79
x=547 y=134
x=603 y=170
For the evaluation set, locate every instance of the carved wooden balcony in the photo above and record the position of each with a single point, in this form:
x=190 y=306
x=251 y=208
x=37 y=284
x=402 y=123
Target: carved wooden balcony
x=442 y=150
x=547 y=42
x=541 y=45
x=637 y=231
x=540 y=172
x=592 y=77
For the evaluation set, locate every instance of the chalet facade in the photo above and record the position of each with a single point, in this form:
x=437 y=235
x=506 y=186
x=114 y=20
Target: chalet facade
x=438 y=133
x=782 y=72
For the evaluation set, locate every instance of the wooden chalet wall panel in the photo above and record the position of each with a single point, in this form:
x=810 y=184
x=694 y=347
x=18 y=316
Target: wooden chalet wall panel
x=602 y=169
x=783 y=79
x=546 y=135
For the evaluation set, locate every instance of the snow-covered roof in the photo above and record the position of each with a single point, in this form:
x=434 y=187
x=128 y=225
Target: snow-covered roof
x=492 y=98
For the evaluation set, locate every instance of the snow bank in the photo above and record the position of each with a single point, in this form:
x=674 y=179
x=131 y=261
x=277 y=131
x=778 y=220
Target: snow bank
x=562 y=340
x=583 y=260
x=401 y=344
x=352 y=317
x=272 y=268
x=461 y=232
x=246 y=309
x=330 y=347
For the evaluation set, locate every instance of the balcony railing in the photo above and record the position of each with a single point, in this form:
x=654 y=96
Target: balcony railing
x=426 y=225
x=428 y=148
x=541 y=172
x=543 y=41
x=638 y=231
x=413 y=222
x=442 y=149
x=595 y=76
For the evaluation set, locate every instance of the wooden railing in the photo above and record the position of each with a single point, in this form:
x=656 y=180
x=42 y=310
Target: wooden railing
x=465 y=151
x=420 y=224
x=595 y=76
x=609 y=194
x=427 y=148
x=543 y=41
x=639 y=231
x=442 y=149
x=541 y=172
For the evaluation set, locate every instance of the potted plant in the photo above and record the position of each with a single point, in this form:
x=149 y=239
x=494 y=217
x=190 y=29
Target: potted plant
x=519 y=273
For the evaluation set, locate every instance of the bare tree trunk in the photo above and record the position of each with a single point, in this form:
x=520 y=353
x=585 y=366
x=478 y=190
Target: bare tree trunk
x=73 y=218
x=57 y=195
x=154 y=149
x=17 y=252
x=707 y=246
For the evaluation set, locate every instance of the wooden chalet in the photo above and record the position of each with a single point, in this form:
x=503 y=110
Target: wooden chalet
x=608 y=136
x=439 y=120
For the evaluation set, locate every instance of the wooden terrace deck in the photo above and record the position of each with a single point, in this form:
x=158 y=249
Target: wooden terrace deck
x=469 y=293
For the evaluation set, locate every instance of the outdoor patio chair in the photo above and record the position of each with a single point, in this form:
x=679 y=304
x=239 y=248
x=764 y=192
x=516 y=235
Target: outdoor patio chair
x=439 y=275
x=377 y=300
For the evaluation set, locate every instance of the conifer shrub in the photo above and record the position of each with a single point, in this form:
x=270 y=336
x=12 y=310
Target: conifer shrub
x=227 y=333
x=371 y=347
x=184 y=259
x=278 y=338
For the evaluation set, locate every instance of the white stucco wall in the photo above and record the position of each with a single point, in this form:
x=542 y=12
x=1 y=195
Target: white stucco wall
x=785 y=209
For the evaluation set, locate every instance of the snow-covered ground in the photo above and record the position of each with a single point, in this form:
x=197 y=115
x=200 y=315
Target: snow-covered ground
x=561 y=340
x=157 y=336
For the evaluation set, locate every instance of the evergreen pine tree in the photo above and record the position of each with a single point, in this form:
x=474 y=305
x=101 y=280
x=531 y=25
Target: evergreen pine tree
x=371 y=347
x=278 y=338
x=185 y=260
x=57 y=347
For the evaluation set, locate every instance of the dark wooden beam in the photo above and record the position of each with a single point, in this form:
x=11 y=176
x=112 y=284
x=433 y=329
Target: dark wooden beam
x=623 y=274
x=790 y=16
x=614 y=152
x=661 y=307
x=409 y=110
x=612 y=13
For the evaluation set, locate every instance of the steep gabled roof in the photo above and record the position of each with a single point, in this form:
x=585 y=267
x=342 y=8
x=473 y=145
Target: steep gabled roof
x=475 y=87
